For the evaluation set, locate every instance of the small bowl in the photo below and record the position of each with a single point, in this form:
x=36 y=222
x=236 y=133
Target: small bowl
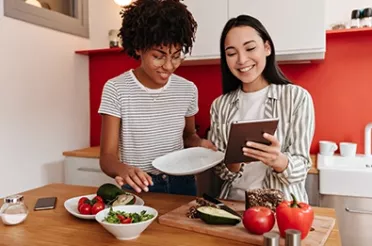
x=126 y=231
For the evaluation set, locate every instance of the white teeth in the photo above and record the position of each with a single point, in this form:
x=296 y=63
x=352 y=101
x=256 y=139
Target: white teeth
x=164 y=75
x=246 y=69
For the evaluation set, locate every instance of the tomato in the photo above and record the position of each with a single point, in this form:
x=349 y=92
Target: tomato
x=258 y=220
x=126 y=221
x=97 y=199
x=85 y=209
x=82 y=200
x=79 y=207
x=98 y=206
x=120 y=217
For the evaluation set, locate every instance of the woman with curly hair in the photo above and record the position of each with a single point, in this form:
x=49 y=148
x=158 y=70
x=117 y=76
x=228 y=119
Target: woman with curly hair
x=148 y=111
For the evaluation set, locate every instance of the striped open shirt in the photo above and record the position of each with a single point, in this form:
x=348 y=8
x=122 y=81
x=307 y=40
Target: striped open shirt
x=293 y=106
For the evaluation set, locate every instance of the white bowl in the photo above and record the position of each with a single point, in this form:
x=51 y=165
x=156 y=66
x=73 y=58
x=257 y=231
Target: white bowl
x=71 y=205
x=126 y=231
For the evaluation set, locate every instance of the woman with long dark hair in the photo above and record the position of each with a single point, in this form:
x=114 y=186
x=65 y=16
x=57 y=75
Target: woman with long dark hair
x=255 y=88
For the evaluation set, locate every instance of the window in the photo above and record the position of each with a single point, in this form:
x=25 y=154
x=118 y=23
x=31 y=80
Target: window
x=70 y=16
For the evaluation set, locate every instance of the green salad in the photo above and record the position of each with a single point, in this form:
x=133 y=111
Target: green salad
x=121 y=217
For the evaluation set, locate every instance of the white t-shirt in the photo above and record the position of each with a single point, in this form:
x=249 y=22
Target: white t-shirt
x=152 y=121
x=251 y=107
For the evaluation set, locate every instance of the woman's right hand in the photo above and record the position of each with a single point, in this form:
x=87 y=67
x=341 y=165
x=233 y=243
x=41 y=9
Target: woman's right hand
x=134 y=177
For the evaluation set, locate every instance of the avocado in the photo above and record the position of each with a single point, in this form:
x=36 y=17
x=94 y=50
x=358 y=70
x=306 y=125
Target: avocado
x=216 y=216
x=109 y=192
x=125 y=199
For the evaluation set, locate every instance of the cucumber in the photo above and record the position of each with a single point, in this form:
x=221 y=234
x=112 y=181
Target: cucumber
x=217 y=216
x=125 y=199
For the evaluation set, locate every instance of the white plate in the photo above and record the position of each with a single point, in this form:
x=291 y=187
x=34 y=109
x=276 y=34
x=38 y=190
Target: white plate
x=71 y=206
x=188 y=161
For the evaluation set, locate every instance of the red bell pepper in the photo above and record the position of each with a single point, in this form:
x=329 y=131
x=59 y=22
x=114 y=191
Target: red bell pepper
x=294 y=215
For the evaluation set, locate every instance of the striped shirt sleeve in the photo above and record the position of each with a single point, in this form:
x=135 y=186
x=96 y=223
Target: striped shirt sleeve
x=110 y=100
x=215 y=136
x=299 y=160
x=193 y=108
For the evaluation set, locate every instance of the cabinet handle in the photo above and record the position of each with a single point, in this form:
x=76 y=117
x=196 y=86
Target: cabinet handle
x=88 y=169
x=358 y=211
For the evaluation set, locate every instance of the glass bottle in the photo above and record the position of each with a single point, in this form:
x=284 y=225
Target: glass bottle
x=13 y=211
x=114 y=38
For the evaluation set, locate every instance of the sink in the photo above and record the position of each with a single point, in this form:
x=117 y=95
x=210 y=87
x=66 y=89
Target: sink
x=345 y=176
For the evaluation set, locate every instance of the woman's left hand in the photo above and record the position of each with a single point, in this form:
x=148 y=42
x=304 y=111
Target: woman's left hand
x=270 y=155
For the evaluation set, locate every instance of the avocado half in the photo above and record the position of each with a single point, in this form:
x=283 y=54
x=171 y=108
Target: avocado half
x=216 y=216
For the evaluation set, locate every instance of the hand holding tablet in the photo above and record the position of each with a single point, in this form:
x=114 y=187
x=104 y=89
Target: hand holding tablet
x=242 y=132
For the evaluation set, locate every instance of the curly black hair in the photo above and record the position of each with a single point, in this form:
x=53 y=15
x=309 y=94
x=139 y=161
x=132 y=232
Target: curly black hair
x=149 y=23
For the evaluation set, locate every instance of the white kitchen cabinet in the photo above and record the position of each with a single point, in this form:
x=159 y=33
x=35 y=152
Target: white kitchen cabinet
x=296 y=27
x=84 y=171
x=211 y=16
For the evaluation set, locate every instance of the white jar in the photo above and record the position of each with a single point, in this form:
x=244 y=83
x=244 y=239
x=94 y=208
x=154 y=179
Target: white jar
x=366 y=20
x=355 y=18
x=13 y=211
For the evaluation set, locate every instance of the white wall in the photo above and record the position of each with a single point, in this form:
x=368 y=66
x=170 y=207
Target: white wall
x=44 y=103
x=104 y=15
x=340 y=10
x=44 y=96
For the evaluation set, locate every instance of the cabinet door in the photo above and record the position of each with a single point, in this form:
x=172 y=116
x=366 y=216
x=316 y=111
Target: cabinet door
x=211 y=16
x=84 y=171
x=295 y=26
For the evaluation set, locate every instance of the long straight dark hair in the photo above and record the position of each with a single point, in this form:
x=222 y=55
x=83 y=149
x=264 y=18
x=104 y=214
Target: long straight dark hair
x=271 y=72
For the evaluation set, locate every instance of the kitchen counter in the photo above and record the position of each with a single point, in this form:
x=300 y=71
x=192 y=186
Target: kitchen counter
x=61 y=228
x=93 y=152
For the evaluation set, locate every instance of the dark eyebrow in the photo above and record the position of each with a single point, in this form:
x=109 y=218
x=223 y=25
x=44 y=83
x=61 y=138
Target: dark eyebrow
x=250 y=41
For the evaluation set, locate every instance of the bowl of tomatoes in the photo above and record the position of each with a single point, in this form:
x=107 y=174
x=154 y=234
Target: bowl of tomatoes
x=85 y=207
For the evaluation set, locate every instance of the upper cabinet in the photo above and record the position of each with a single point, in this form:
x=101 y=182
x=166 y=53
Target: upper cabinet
x=296 y=27
x=211 y=16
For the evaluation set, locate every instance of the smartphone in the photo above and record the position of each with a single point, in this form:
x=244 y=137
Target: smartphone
x=45 y=203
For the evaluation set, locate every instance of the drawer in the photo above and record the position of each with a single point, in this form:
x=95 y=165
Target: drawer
x=84 y=171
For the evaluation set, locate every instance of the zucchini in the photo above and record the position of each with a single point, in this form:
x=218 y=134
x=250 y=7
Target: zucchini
x=217 y=216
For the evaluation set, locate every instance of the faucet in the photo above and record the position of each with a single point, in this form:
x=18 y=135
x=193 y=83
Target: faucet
x=367 y=140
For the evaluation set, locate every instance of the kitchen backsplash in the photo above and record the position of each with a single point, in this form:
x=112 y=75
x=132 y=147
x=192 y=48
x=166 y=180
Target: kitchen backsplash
x=341 y=87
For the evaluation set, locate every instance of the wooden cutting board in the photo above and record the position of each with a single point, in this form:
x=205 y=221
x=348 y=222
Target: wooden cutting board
x=177 y=218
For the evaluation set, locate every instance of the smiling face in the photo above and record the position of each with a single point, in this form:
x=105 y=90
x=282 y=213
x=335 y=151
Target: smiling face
x=246 y=54
x=158 y=63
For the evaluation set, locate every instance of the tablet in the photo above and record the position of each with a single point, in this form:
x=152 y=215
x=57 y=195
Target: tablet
x=243 y=131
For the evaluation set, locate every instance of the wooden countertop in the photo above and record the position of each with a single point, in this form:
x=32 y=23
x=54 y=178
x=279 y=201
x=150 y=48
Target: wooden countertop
x=93 y=152
x=61 y=228
x=90 y=152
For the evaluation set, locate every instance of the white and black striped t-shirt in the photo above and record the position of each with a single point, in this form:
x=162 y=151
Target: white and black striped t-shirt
x=152 y=121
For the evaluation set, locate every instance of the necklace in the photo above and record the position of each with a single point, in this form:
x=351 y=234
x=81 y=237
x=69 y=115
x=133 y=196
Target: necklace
x=156 y=92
